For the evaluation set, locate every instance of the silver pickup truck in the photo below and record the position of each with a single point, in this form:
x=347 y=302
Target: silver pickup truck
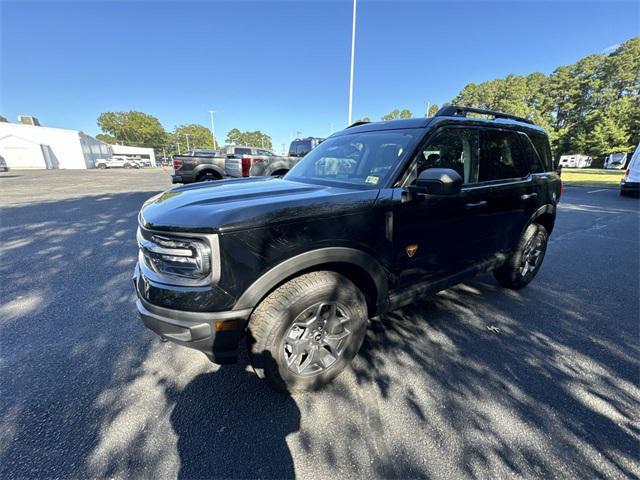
x=255 y=162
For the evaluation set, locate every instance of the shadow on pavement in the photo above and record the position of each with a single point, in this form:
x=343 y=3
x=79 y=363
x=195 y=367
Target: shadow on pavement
x=232 y=425
x=476 y=381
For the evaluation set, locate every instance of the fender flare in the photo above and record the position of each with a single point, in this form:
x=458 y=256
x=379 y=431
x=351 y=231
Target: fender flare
x=313 y=258
x=544 y=209
x=277 y=166
x=208 y=166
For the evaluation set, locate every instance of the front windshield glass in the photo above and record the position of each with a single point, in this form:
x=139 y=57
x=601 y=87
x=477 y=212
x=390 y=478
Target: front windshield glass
x=366 y=159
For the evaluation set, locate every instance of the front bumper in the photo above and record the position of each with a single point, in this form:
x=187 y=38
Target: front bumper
x=216 y=334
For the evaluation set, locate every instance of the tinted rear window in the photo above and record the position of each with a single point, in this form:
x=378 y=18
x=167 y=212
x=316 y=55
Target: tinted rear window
x=502 y=156
x=541 y=142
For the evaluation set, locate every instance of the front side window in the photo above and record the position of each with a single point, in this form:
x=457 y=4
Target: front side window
x=454 y=148
x=502 y=156
x=367 y=159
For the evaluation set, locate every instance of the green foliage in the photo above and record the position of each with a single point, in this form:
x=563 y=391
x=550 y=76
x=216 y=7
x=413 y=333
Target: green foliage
x=395 y=114
x=433 y=109
x=590 y=107
x=250 y=139
x=363 y=119
x=106 y=138
x=3 y=119
x=132 y=128
x=199 y=136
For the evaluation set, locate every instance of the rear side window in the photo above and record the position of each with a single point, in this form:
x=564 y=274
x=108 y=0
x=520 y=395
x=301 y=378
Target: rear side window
x=541 y=142
x=242 y=151
x=502 y=156
x=533 y=159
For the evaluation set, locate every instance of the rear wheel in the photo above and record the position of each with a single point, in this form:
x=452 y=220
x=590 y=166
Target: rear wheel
x=307 y=331
x=208 y=176
x=102 y=166
x=525 y=262
x=279 y=173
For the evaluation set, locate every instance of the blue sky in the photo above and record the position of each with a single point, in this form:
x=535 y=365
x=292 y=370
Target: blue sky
x=280 y=67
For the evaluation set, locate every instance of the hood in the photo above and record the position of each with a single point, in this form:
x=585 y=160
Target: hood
x=246 y=203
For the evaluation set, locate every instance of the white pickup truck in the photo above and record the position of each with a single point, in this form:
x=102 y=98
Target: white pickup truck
x=116 y=162
x=255 y=162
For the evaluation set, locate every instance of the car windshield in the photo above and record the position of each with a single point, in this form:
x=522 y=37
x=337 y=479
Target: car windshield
x=366 y=159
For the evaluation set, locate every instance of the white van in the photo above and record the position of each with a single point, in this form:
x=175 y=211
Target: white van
x=630 y=183
x=615 y=161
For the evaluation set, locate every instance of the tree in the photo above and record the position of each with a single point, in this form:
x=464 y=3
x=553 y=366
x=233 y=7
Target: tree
x=363 y=119
x=433 y=109
x=592 y=106
x=106 y=138
x=199 y=136
x=250 y=139
x=395 y=114
x=133 y=128
x=3 y=119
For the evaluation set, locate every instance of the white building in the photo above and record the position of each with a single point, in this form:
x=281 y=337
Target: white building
x=29 y=146
x=136 y=153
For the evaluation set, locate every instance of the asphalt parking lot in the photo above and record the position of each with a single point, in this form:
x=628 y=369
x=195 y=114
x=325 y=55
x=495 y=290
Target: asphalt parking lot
x=476 y=381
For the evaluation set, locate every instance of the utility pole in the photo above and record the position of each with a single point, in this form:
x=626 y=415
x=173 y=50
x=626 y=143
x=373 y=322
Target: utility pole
x=213 y=128
x=283 y=148
x=187 y=135
x=178 y=145
x=353 y=50
x=428 y=105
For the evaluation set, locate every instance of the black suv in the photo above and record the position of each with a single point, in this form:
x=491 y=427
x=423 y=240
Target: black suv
x=301 y=146
x=374 y=217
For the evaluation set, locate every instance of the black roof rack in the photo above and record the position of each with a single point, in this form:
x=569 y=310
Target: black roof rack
x=361 y=122
x=454 y=110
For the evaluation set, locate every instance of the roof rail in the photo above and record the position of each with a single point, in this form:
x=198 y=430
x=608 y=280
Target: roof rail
x=361 y=122
x=454 y=111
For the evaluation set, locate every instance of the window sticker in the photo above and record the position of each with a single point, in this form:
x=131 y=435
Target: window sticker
x=372 y=179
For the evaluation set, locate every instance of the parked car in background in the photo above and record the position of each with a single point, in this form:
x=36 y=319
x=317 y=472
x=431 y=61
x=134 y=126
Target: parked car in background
x=630 y=183
x=256 y=162
x=3 y=165
x=116 y=162
x=575 y=161
x=198 y=165
x=301 y=146
x=372 y=219
x=616 y=161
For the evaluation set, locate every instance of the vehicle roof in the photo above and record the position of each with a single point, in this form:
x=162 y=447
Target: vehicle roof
x=406 y=123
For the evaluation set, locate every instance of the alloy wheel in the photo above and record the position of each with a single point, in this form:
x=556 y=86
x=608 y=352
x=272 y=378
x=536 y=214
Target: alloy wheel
x=317 y=338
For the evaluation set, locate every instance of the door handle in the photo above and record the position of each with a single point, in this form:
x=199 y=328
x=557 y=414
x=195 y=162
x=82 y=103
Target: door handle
x=527 y=196
x=482 y=203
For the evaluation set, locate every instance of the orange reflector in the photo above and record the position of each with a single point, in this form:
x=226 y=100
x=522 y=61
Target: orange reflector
x=226 y=325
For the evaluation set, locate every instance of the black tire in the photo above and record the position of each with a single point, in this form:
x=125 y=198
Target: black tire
x=208 y=176
x=279 y=314
x=102 y=166
x=279 y=173
x=525 y=262
x=126 y=165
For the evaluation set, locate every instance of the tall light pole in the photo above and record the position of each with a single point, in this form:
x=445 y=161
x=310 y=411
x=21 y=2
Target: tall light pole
x=353 y=50
x=188 y=146
x=213 y=128
x=178 y=145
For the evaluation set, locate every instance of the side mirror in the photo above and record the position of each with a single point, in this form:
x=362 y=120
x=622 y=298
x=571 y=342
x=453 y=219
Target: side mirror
x=437 y=181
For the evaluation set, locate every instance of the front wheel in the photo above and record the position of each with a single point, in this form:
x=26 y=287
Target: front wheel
x=307 y=331
x=525 y=262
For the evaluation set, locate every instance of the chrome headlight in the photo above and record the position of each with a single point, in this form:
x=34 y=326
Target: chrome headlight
x=174 y=258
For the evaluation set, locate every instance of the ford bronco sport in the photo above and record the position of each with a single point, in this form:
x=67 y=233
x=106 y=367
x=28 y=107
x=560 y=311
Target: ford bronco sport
x=374 y=217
